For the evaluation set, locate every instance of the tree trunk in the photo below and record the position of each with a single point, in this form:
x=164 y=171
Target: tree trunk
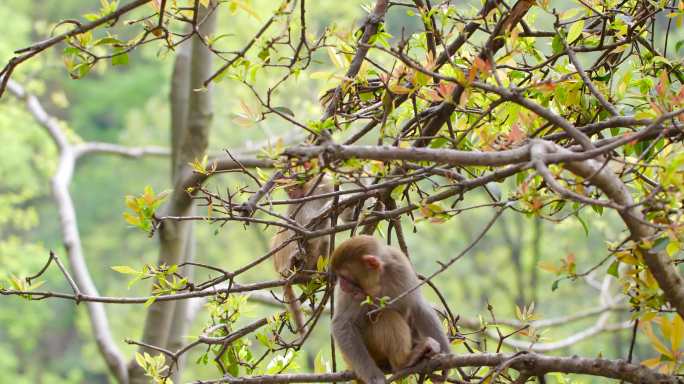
x=167 y=322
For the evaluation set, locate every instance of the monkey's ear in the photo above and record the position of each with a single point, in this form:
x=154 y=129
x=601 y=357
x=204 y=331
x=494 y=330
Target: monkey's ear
x=372 y=261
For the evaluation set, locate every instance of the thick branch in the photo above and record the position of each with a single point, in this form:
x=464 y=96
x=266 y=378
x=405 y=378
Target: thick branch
x=191 y=145
x=385 y=153
x=659 y=263
x=530 y=363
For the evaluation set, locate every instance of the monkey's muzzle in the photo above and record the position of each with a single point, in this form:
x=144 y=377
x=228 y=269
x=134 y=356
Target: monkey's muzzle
x=351 y=287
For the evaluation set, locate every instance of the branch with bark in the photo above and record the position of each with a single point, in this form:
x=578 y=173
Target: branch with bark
x=527 y=364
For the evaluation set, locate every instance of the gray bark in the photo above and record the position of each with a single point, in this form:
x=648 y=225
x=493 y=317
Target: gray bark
x=167 y=322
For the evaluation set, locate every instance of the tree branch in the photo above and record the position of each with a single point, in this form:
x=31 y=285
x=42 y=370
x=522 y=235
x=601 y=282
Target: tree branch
x=530 y=363
x=32 y=50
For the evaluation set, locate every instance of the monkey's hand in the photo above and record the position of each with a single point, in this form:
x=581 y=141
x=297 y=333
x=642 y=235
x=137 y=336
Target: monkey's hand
x=426 y=349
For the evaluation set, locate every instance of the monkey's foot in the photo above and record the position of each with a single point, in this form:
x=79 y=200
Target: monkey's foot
x=426 y=349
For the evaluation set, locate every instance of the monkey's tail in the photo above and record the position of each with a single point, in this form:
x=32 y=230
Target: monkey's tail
x=295 y=309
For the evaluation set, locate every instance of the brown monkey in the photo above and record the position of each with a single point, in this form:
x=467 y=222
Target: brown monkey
x=397 y=336
x=294 y=255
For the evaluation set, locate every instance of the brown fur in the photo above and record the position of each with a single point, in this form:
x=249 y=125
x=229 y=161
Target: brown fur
x=299 y=256
x=388 y=338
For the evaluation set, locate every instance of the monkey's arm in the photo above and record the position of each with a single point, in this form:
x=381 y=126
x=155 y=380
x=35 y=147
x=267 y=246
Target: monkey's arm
x=350 y=342
x=426 y=322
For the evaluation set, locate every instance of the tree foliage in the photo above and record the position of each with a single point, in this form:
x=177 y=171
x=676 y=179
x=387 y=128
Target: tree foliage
x=552 y=110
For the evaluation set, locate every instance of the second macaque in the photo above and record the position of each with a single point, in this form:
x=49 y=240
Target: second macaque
x=295 y=255
x=395 y=337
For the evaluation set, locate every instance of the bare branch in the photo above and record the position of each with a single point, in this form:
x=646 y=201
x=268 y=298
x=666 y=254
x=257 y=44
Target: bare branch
x=120 y=150
x=530 y=363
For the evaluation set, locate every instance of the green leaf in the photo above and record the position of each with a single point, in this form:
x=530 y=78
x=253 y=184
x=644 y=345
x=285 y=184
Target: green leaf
x=150 y=301
x=284 y=111
x=439 y=142
x=602 y=77
x=203 y=359
x=263 y=339
x=107 y=41
x=598 y=209
x=398 y=192
x=91 y=16
x=140 y=359
x=613 y=268
x=321 y=365
x=584 y=224
x=679 y=45
x=554 y=286
x=575 y=31
x=264 y=55
x=321 y=263
x=125 y=269
x=120 y=57
x=557 y=44
x=80 y=70
x=17 y=283
x=672 y=248
x=36 y=285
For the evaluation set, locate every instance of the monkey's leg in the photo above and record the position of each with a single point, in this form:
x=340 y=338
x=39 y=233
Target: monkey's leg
x=295 y=309
x=389 y=340
x=349 y=366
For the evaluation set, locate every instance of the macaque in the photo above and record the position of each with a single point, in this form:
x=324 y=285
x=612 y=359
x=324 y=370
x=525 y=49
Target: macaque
x=294 y=255
x=400 y=334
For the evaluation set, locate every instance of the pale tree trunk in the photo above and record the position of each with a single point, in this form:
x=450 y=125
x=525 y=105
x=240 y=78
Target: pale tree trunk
x=166 y=323
x=182 y=316
x=180 y=98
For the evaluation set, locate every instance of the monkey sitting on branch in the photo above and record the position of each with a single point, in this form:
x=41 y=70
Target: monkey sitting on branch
x=395 y=337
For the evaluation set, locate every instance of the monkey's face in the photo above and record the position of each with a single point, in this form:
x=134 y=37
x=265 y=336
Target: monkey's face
x=349 y=285
x=359 y=279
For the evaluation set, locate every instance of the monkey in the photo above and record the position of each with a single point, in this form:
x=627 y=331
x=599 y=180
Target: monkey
x=399 y=335
x=292 y=256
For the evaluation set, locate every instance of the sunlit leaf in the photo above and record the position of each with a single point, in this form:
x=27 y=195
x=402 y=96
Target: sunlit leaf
x=575 y=31
x=125 y=269
x=654 y=341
